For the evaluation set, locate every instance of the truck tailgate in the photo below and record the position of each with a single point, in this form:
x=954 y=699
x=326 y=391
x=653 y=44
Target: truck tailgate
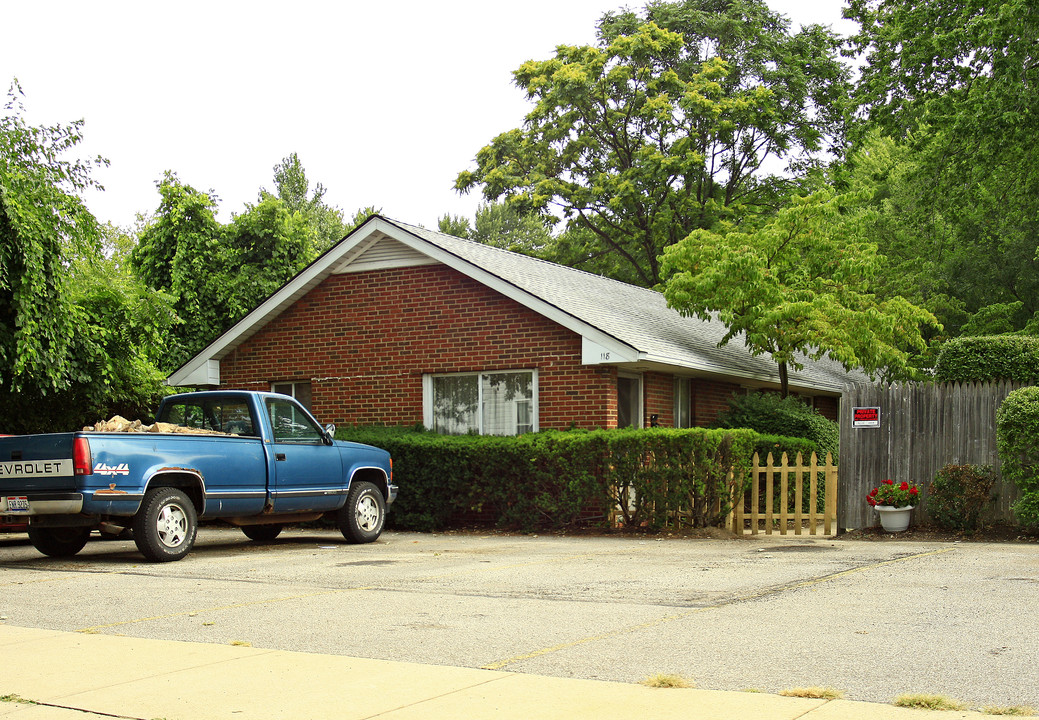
x=35 y=463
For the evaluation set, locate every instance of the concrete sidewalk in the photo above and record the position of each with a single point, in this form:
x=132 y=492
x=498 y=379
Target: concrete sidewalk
x=74 y=676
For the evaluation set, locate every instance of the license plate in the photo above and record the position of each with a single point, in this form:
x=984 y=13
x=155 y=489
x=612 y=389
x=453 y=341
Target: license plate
x=17 y=504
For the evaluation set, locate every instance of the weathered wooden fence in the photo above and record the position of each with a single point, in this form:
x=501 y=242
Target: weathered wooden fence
x=785 y=497
x=923 y=427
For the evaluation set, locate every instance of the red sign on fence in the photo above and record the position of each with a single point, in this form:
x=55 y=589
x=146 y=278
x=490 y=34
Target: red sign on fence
x=865 y=417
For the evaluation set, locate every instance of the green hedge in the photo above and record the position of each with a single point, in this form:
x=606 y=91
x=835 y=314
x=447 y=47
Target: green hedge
x=558 y=479
x=1017 y=440
x=770 y=413
x=991 y=357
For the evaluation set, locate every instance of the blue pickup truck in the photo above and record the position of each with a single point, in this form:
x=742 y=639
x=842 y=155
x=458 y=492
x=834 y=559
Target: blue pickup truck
x=273 y=464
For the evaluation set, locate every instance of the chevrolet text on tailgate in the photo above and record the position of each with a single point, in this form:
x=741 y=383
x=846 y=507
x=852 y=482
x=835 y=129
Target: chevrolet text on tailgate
x=270 y=464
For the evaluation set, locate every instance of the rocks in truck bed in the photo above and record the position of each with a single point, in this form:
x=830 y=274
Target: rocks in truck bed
x=119 y=424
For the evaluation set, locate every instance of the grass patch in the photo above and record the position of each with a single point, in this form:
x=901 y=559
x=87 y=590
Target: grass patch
x=665 y=680
x=929 y=702
x=821 y=693
x=241 y=643
x=12 y=698
x=1019 y=710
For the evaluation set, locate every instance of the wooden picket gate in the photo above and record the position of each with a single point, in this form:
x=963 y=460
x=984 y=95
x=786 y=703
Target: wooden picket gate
x=784 y=497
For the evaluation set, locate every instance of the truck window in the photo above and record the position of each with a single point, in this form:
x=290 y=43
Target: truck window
x=290 y=424
x=230 y=417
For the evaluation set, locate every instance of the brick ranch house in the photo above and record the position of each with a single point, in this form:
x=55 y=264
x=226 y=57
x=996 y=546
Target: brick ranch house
x=400 y=325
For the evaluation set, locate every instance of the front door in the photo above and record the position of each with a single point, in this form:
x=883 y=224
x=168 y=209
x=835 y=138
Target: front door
x=629 y=401
x=308 y=473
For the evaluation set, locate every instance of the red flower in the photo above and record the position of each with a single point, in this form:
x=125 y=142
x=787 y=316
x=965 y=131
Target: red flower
x=913 y=491
x=904 y=485
x=873 y=492
x=889 y=482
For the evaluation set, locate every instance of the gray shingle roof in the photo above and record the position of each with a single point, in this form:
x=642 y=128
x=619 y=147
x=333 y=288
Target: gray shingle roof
x=635 y=316
x=601 y=310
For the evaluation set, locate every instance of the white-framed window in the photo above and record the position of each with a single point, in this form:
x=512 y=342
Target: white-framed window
x=683 y=402
x=629 y=400
x=298 y=390
x=486 y=403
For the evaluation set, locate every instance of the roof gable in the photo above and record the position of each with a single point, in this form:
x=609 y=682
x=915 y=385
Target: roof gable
x=620 y=324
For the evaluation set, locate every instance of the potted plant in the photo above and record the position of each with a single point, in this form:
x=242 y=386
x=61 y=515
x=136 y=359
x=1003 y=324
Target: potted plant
x=893 y=503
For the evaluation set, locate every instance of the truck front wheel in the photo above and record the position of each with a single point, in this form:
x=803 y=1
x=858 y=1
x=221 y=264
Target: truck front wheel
x=59 y=541
x=165 y=526
x=362 y=518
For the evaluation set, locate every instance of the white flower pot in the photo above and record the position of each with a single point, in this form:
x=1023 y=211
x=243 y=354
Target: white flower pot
x=894 y=519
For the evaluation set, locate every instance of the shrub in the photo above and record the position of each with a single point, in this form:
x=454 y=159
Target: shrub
x=958 y=495
x=989 y=357
x=1017 y=440
x=555 y=479
x=771 y=414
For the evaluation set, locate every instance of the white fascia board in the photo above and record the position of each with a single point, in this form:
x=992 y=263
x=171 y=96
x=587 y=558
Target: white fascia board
x=795 y=378
x=588 y=333
x=205 y=372
x=597 y=353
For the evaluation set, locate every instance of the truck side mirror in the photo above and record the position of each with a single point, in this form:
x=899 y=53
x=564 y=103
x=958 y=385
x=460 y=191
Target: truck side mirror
x=330 y=432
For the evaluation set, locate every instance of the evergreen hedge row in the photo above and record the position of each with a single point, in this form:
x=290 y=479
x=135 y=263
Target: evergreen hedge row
x=990 y=357
x=557 y=479
x=1017 y=440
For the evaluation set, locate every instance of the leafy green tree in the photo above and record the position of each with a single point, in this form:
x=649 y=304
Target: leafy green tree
x=502 y=226
x=800 y=283
x=267 y=245
x=665 y=127
x=976 y=278
x=78 y=334
x=456 y=225
x=292 y=186
x=360 y=217
x=181 y=251
x=955 y=80
x=217 y=273
x=43 y=225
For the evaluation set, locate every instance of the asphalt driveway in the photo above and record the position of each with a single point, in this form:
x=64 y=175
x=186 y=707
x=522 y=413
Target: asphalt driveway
x=875 y=619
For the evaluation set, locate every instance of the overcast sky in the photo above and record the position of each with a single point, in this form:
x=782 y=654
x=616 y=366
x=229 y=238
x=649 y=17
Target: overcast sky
x=384 y=102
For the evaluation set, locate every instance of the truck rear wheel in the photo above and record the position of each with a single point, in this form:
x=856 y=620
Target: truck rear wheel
x=59 y=541
x=164 y=528
x=362 y=518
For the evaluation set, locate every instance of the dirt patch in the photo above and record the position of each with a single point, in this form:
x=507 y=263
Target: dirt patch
x=994 y=533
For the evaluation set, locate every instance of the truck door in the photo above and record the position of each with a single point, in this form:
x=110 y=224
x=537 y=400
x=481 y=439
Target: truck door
x=307 y=472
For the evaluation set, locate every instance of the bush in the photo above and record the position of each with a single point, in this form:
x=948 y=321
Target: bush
x=958 y=495
x=770 y=414
x=556 y=479
x=1017 y=440
x=990 y=357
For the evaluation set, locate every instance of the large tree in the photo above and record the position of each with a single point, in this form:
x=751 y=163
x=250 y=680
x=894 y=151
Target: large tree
x=217 y=272
x=502 y=226
x=292 y=186
x=677 y=120
x=78 y=334
x=43 y=225
x=954 y=83
x=799 y=284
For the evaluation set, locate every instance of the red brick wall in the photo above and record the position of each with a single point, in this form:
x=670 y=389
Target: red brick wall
x=710 y=397
x=827 y=407
x=364 y=341
x=658 y=399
